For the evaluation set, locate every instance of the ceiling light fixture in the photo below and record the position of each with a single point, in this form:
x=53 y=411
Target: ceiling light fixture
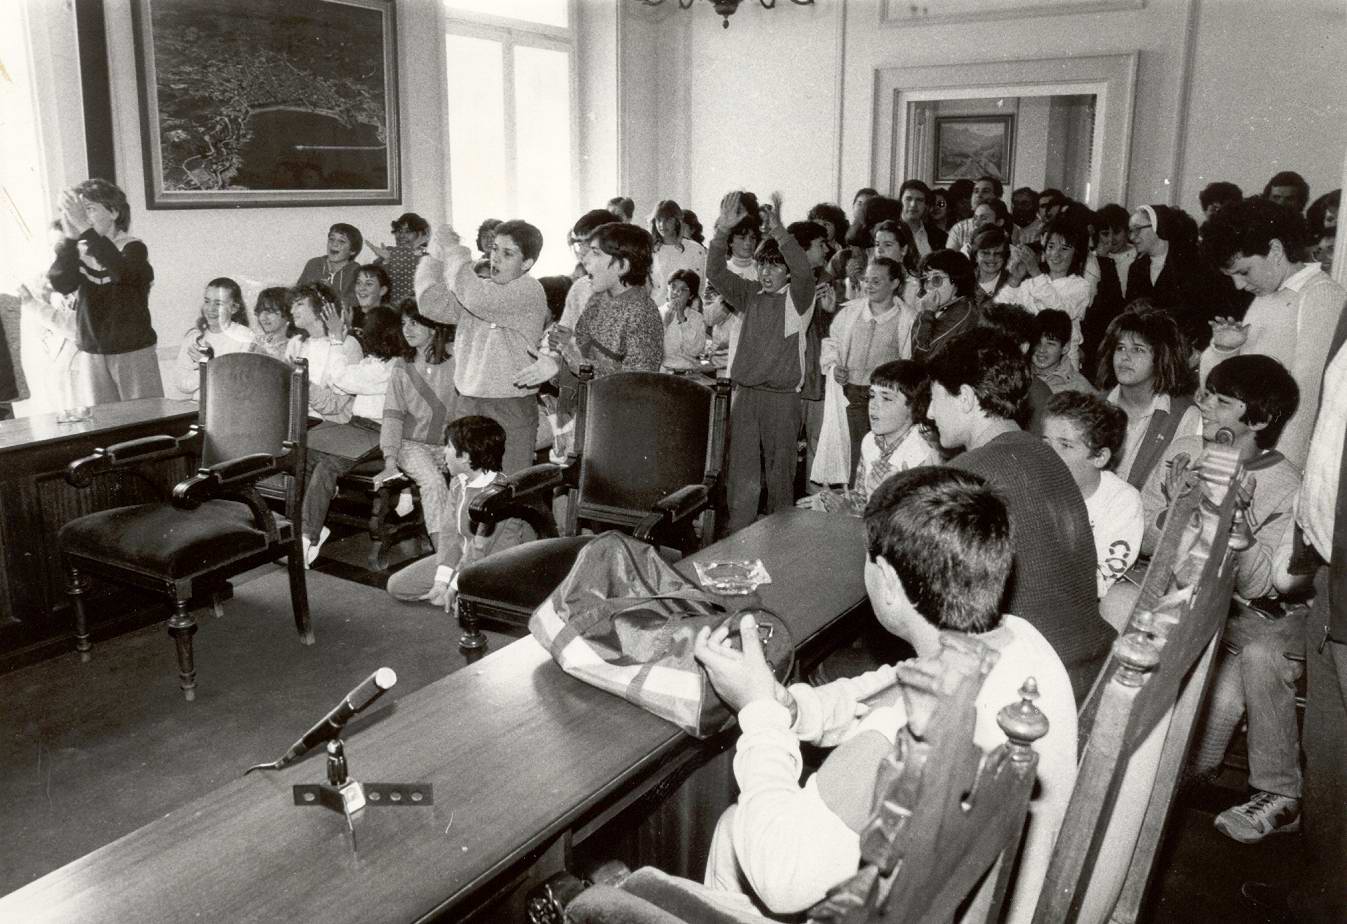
x=726 y=8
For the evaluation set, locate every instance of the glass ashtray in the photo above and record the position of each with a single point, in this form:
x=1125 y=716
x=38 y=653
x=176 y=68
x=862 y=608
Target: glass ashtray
x=731 y=578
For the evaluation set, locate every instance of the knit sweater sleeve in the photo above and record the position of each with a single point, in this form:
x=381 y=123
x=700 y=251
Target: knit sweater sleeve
x=645 y=339
x=1275 y=489
x=801 y=273
x=128 y=266
x=65 y=269
x=395 y=412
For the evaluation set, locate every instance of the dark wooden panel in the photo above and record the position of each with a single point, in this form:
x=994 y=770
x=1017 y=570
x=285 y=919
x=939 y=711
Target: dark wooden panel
x=35 y=501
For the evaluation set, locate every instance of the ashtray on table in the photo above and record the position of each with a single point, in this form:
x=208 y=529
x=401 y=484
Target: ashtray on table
x=732 y=578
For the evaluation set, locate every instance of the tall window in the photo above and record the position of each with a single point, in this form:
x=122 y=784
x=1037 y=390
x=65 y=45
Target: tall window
x=23 y=182
x=509 y=74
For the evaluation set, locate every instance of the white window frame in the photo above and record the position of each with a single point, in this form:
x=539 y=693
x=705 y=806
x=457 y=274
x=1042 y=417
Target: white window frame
x=512 y=33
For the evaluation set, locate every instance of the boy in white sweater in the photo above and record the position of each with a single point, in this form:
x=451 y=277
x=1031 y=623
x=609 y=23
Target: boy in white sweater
x=939 y=554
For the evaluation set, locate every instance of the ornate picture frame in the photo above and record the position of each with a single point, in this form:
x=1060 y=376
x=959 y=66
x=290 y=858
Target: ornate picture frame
x=268 y=103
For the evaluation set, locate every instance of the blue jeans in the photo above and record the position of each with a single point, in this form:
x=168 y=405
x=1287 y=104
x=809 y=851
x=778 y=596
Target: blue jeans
x=1256 y=672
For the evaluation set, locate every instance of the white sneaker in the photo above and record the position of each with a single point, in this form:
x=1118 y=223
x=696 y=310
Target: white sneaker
x=311 y=548
x=405 y=504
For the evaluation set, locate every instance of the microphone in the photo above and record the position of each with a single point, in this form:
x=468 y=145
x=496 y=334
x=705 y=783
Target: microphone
x=330 y=725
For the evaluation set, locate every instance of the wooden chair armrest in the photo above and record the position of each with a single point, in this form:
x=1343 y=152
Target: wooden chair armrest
x=528 y=487
x=223 y=478
x=673 y=510
x=81 y=472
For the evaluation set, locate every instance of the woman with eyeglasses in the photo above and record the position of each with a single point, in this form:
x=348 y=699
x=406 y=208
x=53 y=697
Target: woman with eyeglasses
x=991 y=255
x=1062 y=286
x=947 y=304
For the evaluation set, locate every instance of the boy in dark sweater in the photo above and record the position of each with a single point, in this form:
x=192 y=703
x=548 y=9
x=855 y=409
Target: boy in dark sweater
x=979 y=382
x=769 y=363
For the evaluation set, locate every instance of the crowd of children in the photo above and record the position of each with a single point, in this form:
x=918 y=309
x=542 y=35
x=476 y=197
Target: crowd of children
x=1007 y=396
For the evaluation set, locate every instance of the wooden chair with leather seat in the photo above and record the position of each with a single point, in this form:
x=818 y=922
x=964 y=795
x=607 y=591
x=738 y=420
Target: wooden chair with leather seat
x=251 y=426
x=360 y=504
x=947 y=821
x=1137 y=724
x=648 y=459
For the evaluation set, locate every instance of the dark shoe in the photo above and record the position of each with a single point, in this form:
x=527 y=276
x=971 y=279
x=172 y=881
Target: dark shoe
x=1268 y=899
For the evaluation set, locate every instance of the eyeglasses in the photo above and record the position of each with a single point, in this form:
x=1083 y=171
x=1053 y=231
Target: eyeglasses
x=1136 y=229
x=934 y=280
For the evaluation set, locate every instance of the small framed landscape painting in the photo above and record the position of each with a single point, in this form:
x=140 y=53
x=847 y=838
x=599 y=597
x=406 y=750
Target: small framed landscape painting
x=974 y=146
x=268 y=102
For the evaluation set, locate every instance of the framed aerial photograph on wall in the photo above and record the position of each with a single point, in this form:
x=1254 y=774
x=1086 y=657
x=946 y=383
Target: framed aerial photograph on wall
x=974 y=146
x=268 y=102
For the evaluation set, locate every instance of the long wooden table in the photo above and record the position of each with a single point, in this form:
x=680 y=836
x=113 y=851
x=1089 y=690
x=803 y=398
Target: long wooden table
x=523 y=759
x=35 y=502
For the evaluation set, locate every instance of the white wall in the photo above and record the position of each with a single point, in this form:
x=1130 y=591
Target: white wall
x=1267 y=89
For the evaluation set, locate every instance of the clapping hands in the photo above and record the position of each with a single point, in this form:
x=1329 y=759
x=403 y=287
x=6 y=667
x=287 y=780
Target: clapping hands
x=74 y=216
x=337 y=320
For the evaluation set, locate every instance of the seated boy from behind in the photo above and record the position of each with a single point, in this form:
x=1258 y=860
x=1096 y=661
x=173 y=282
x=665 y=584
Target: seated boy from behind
x=1050 y=357
x=899 y=437
x=1087 y=434
x=938 y=556
x=473 y=453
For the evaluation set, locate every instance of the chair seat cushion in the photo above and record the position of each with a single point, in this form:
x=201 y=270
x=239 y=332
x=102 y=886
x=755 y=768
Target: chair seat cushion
x=522 y=576
x=166 y=541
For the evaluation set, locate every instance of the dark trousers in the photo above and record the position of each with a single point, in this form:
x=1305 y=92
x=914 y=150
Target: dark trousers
x=764 y=430
x=858 y=422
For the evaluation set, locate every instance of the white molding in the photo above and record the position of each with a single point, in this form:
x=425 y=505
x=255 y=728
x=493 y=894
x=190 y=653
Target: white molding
x=1187 y=55
x=1112 y=78
x=839 y=96
x=891 y=11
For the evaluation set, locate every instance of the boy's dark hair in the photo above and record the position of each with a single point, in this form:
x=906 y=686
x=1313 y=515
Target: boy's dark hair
x=1012 y=321
x=1025 y=189
x=1221 y=191
x=769 y=251
x=1171 y=372
x=238 y=314
x=946 y=534
x=688 y=278
x=806 y=232
x=1112 y=216
x=441 y=334
x=529 y=238
x=320 y=293
x=990 y=363
x=833 y=215
x=1054 y=324
x=907 y=377
x=556 y=288
x=864 y=191
x=624 y=204
x=956 y=266
x=1074 y=232
x=481 y=438
x=961 y=190
x=110 y=196
x=623 y=241
x=381 y=334
x=588 y=223
x=748 y=226
x=892 y=266
x=997 y=186
x=1317 y=214
x=917 y=185
x=1289 y=178
x=1055 y=196
x=1102 y=425
x=380 y=276
x=410 y=221
x=1268 y=391
x=1248 y=228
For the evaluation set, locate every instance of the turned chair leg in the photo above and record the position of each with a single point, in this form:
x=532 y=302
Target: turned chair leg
x=76 y=589
x=379 y=529
x=182 y=626
x=299 y=593
x=473 y=641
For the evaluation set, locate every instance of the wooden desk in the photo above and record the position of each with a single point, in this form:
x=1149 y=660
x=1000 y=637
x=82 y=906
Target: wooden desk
x=35 y=501
x=520 y=754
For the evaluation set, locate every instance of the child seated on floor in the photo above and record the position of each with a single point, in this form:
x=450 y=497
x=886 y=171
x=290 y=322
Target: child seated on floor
x=473 y=452
x=899 y=437
x=1086 y=432
x=1052 y=362
x=938 y=556
x=1263 y=646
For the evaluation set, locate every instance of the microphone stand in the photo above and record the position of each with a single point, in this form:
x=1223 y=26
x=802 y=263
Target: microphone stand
x=341 y=793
